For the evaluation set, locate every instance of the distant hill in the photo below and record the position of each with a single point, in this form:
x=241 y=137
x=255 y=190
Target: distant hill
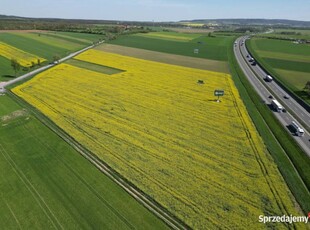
x=220 y=22
x=9 y=17
x=245 y=22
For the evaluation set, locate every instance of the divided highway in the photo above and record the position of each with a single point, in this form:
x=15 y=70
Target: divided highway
x=256 y=75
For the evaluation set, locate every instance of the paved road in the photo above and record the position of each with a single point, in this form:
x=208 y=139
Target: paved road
x=256 y=77
x=11 y=82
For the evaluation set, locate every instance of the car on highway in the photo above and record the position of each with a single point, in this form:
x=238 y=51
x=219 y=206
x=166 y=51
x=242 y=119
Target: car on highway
x=268 y=78
x=270 y=96
x=253 y=63
x=286 y=97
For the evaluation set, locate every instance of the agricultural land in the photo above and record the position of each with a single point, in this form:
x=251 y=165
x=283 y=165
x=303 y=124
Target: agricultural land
x=46 y=184
x=29 y=46
x=288 y=34
x=213 y=48
x=192 y=62
x=286 y=60
x=151 y=122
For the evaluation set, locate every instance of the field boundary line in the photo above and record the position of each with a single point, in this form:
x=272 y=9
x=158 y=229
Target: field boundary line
x=12 y=213
x=150 y=204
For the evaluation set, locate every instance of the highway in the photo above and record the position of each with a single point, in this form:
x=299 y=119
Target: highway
x=256 y=76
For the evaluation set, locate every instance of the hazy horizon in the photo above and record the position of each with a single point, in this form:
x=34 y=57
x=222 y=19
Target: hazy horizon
x=152 y=10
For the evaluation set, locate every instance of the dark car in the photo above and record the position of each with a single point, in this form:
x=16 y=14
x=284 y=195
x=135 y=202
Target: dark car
x=271 y=97
x=253 y=63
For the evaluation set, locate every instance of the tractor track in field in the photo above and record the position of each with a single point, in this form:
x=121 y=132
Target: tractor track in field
x=31 y=188
x=172 y=221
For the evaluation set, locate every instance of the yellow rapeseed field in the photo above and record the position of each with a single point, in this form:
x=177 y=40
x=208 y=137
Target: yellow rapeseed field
x=202 y=160
x=22 y=57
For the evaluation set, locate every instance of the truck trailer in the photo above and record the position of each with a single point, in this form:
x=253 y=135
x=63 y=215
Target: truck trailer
x=277 y=106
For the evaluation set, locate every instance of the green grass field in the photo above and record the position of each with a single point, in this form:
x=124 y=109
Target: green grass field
x=53 y=41
x=46 y=184
x=285 y=60
x=80 y=38
x=6 y=71
x=280 y=46
x=32 y=46
x=280 y=33
x=43 y=44
x=289 y=65
x=214 y=48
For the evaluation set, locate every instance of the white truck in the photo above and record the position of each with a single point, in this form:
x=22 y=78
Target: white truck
x=297 y=129
x=277 y=106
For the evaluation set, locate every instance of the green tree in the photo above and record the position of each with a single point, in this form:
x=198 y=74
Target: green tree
x=15 y=65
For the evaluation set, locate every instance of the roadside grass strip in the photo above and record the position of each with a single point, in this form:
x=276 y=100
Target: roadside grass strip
x=25 y=59
x=202 y=160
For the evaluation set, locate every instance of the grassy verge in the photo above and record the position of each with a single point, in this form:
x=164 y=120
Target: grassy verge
x=292 y=162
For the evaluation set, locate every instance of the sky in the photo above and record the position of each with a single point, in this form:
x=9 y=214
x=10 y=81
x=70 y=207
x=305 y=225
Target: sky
x=158 y=10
